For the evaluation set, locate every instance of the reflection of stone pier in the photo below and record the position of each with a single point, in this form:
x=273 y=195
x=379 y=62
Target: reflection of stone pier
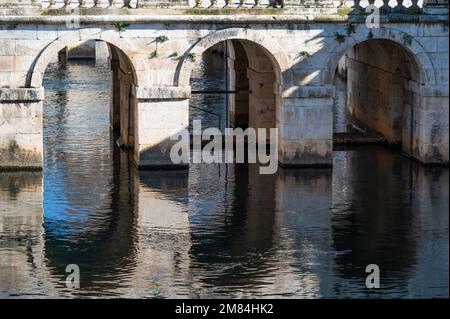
x=163 y=241
x=23 y=269
x=394 y=220
x=303 y=199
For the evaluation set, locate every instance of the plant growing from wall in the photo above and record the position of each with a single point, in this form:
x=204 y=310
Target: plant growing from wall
x=192 y=56
x=159 y=39
x=305 y=54
x=407 y=39
x=340 y=38
x=120 y=27
x=154 y=54
x=350 y=28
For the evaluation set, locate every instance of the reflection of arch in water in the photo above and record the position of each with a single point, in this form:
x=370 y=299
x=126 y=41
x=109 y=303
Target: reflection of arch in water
x=101 y=242
x=233 y=227
x=303 y=198
x=373 y=220
x=163 y=262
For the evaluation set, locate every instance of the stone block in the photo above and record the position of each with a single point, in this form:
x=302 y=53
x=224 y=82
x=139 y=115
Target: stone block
x=306 y=153
x=18 y=31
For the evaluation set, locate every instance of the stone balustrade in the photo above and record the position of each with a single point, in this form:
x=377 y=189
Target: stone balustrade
x=297 y=5
x=236 y=3
x=205 y=4
x=61 y=4
x=382 y=4
x=58 y=4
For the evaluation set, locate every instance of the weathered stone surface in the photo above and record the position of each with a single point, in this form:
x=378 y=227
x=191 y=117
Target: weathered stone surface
x=11 y=95
x=309 y=91
x=13 y=156
x=300 y=153
x=163 y=3
x=163 y=93
x=158 y=121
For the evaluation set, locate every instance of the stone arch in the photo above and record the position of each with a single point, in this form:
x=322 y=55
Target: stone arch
x=111 y=37
x=265 y=67
x=272 y=49
x=385 y=76
x=125 y=63
x=412 y=47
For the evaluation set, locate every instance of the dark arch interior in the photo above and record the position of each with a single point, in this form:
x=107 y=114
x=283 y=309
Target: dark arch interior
x=234 y=83
x=378 y=90
x=118 y=68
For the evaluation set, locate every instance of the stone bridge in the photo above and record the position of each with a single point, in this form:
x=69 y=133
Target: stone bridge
x=285 y=52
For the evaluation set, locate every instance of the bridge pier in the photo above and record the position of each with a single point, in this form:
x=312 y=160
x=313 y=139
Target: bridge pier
x=306 y=126
x=21 y=141
x=432 y=126
x=162 y=112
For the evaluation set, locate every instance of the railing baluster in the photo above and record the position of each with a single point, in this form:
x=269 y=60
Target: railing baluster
x=414 y=4
x=396 y=4
x=357 y=4
x=126 y=3
x=66 y=3
x=385 y=5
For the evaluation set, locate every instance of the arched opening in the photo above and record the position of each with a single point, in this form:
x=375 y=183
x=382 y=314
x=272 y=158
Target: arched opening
x=100 y=79
x=236 y=84
x=377 y=92
x=88 y=125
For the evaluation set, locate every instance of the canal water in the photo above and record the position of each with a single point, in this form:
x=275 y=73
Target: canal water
x=215 y=230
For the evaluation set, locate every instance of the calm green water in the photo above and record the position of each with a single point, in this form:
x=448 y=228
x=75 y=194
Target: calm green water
x=215 y=230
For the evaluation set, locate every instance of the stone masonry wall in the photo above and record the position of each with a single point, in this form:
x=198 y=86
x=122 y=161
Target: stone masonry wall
x=303 y=55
